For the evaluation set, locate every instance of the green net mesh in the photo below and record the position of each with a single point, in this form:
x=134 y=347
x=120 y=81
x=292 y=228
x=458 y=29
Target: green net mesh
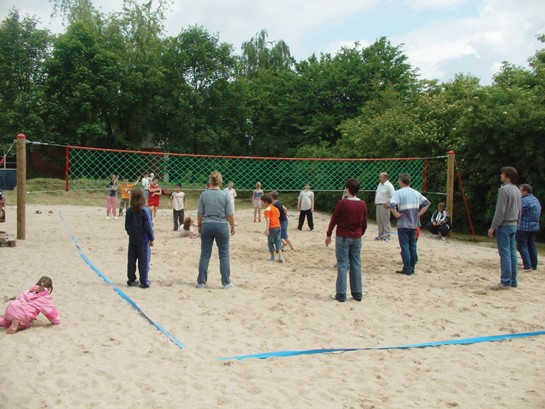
x=90 y=168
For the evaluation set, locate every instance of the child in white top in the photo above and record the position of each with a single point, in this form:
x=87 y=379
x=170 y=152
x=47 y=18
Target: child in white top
x=187 y=229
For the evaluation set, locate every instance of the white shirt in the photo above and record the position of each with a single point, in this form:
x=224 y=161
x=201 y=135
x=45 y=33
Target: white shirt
x=145 y=183
x=306 y=197
x=231 y=192
x=384 y=192
x=177 y=199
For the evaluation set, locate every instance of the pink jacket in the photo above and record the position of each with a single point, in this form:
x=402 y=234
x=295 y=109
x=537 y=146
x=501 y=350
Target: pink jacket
x=29 y=304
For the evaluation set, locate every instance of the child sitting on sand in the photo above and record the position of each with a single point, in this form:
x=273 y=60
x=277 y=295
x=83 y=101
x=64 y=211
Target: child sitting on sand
x=25 y=308
x=187 y=229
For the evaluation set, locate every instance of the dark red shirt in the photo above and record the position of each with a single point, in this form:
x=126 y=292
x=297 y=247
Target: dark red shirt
x=350 y=216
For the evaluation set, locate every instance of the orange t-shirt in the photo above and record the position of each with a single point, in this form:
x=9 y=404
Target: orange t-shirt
x=273 y=214
x=126 y=190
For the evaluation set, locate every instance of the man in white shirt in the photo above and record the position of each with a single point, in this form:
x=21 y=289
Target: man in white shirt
x=305 y=205
x=231 y=194
x=383 y=194
x=145 y=186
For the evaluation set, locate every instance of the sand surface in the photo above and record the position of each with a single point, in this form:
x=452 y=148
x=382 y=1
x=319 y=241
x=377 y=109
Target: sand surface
x=105 y=354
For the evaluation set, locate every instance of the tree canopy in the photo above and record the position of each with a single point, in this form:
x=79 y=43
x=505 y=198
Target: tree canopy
x=116 y=81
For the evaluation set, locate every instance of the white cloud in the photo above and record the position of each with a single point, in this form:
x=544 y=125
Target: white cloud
x=502 y=30
x=450 y=36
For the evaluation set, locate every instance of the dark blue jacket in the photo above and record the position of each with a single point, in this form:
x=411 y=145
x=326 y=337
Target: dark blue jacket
x=139 y=226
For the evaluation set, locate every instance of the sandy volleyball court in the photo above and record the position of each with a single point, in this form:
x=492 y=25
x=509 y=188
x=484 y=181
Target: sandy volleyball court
x=107 y=355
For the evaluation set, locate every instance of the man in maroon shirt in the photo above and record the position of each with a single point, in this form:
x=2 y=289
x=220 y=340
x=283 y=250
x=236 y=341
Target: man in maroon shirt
x=350 y=217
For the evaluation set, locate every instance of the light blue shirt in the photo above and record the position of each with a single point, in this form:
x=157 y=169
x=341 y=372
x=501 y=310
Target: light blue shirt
x=409 y=202
x=215 y=206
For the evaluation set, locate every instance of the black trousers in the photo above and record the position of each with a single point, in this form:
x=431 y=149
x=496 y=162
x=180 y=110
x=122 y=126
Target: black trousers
x=177 y=218
x=310 y=220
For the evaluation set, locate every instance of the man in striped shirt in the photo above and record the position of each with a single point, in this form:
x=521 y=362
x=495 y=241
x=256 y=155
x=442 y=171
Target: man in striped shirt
x=407 y=205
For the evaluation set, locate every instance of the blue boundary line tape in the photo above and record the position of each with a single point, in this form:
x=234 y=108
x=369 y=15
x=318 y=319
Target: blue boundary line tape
x=462 y=341
x=117 y=289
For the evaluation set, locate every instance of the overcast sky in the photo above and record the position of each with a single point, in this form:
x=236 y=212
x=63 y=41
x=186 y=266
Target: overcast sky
x=440 y=37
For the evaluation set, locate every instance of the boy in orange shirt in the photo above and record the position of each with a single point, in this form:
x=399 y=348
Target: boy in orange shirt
x=272 y=228
x=125 y=189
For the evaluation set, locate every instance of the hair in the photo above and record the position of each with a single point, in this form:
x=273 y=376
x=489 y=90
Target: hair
x=526 y=187
x=353 y=186
x=266 y=198
x=511 y=173
x=258 y=184
x=46 y=283
x=405 y=178
x=215 y=178
x=138 y=200
x=187 y=223
x=385 y=174
x=274 y=194
x=442 y=205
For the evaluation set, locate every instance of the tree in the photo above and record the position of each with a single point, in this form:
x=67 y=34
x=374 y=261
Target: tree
x=23 y=51
x=203 y=108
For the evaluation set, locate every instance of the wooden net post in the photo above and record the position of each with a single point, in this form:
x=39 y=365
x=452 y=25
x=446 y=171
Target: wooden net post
x=21 y=187
x=450 y=186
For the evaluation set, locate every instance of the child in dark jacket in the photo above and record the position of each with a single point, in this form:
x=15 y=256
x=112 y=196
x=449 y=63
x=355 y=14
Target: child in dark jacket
x=139 y=227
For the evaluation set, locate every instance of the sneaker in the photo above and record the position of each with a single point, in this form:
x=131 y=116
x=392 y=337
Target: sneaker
x=116 y=218
x=270 y=259
x=107 y=217
x=378 y=238
x=200 y=285
x=403 y=272
x=142 y=285
x=526 y=270
x=280 y=258
x=230 y=285
x=132 y=283
x=357 y=296
x=443 y=238
x=386 y=240
x=500 y=286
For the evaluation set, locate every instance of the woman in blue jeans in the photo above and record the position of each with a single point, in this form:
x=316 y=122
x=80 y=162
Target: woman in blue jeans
x=215 y=216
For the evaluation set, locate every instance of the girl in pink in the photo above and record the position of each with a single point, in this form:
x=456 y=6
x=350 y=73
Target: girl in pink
x=21 y=311
x=187 y=228
x=111 y=198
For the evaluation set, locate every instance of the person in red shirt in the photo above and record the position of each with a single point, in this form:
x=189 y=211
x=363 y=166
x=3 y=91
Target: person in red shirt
x=350 y=217
x=272 y=228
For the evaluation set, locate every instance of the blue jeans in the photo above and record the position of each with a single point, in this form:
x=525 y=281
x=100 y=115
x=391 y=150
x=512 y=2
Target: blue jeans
x=526 y=244
x=138 y=253
x=407 y=242
x=505 y=238
x=274 y=240
x=209 y=233
x=284 y=229
x=348 y=252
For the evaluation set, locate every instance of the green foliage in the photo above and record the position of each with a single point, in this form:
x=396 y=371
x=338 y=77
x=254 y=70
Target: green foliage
x=115 y=81
x=23 y=50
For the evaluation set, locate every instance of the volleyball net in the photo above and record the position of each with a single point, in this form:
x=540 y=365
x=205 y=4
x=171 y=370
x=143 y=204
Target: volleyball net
x=89 y=168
